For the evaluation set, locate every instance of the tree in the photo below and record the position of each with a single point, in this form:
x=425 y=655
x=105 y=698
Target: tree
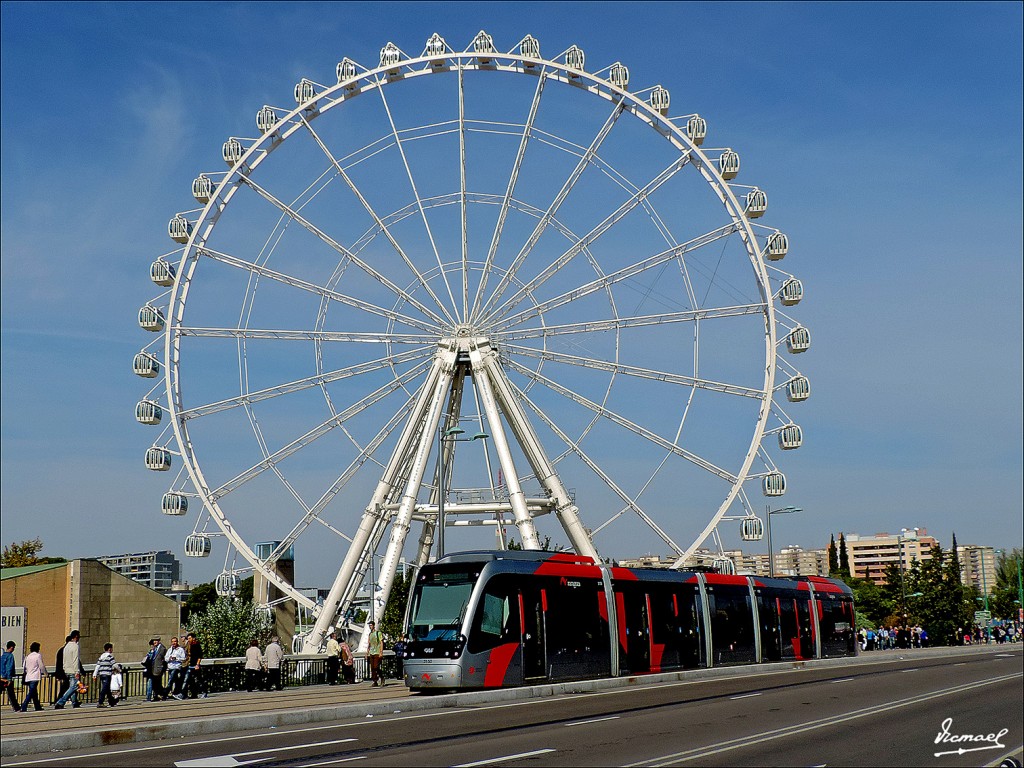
x=394 y=612
x=833 y=558
x=22 y=553
x=226 y=627
x=201 y=598
x=844 y=558
x=246 y=587
x=1004 y=599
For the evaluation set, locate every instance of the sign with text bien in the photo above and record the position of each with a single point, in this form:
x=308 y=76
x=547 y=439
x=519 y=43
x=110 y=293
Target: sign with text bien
x=12 y=627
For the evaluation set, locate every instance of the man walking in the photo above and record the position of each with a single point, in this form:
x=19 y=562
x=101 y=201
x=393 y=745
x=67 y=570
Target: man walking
x=375 y=653
x=195 y=685
x=103 y=671
x=157 y=669
x=175 y=659
x=333 y=659
x=73 y=670
x=274 y=656
x=7 y=674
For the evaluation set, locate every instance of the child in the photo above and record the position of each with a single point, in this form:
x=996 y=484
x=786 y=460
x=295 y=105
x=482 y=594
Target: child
x=116 y=681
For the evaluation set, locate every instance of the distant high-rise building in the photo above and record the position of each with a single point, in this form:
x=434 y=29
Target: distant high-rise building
x=978 y=567
x=870 y=555
x=157 y=570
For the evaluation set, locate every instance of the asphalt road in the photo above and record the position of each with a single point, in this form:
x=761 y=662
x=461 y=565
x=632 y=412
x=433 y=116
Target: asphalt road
x=942 y=711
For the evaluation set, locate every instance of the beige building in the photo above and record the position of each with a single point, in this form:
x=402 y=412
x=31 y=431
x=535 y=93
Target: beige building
x=870 y=555
x=88 y=596
x=978 y=567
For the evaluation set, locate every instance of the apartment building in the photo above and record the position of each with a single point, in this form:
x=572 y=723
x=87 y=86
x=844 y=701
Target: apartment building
x=157 y=570
x=869 y=556
x=978 y=567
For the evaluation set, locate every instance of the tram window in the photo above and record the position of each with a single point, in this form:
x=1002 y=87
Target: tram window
x=769 y=611
x=836 y=624
x=732 y=625
x=497 y=617
x=439 y=605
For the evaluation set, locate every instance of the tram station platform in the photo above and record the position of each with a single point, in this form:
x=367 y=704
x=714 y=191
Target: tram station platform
x=136 y=720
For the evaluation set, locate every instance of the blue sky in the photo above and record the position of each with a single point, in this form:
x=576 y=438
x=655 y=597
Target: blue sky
x=888 y=136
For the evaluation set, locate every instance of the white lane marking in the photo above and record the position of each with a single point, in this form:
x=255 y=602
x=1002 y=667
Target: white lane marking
x=595 y=720
x=231 y=761
x=960 y=664
x=504 y=759
x=744 y=696
x=1006 y=655
x=779 y=733
x=334 y=762
x=912 y=669
x=844 y=680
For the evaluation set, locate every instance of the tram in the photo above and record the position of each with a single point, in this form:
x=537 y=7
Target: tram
x=507 y=618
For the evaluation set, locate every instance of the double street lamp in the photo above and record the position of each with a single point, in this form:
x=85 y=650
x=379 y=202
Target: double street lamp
x=447 y=436
x=769 y=512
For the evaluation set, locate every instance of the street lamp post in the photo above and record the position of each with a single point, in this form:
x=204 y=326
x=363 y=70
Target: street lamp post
x=905 y=534
x=447 y=436
x=768 y=513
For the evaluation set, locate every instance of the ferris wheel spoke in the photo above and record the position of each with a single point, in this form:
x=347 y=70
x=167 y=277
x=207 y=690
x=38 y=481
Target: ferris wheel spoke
x=331 y=242
x=462 y=195
x=639 y=321
x=269 y=333
x=316 y=433
x=419 y=203
x=553 y=208
x=622 y=421
x=632 y=370
x=305 y=285
x=300 y=385
x=373 y=214
x=575 y=448
x=365 y=453
x=620 y=275
x=638 y=197
x=509 y=191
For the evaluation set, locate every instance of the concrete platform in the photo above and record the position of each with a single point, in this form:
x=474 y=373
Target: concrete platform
x=136 y=720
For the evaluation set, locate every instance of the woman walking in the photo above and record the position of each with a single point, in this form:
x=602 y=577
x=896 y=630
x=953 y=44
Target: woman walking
x=35 y=670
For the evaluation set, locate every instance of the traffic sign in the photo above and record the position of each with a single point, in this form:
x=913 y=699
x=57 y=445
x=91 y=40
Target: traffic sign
x=982 y=618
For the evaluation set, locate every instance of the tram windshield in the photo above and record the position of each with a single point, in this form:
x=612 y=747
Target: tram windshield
x=439 y=603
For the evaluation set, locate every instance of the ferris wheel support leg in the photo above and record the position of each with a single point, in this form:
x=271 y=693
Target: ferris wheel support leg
x=565 y=509
x=454 y=411
x=374 y=514
x=403 y=519
x=524 y=522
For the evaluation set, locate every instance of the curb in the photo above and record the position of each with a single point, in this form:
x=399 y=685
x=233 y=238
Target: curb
x=201 y=726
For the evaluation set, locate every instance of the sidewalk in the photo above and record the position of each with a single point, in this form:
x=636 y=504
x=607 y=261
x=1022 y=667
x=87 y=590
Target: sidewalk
x=137 y=720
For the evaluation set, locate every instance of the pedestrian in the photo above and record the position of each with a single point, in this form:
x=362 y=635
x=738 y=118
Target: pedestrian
x=274 y=656
x=58 y=671
x=333 y=663
x=147 y=669
x=348 y=663
x=195 y=686
x=73 y=670
x=116 y=683
x=175 y=660
x=103 y=671
x=374 y=653
x=156 y=673
x=7 y=674
x=253 y=666
x=399 y=649
x=35 y=670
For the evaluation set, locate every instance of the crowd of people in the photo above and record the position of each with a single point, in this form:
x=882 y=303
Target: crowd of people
x=175 y=671
x=888 y=638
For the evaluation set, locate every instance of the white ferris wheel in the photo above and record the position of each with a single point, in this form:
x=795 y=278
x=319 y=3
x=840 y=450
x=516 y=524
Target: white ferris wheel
x=469 y=292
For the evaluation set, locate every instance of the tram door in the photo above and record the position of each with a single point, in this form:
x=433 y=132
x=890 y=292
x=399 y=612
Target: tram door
x=638 y=629
x=534 y=648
